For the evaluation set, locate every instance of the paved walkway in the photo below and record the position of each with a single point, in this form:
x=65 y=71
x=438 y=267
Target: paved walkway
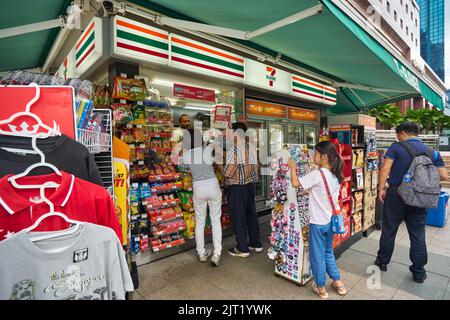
x=183 y=277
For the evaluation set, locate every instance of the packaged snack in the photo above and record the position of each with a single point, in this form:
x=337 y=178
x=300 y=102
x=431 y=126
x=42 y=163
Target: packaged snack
x=134 y=193
x=144 y=225
x=129 y=89
x=83 y=112
x=134 y=209
x=186 y=200
x=144 y=243
x=134 y=245
x=140 y=153
x=122 y=113
x=144 y=189
x=187 y=181
x=139 y=114
x=139 y=134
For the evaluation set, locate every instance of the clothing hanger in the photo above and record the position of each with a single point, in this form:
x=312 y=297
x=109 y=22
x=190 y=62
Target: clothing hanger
x=25 y=132
x=34 y=135
x=41 y=163
x=52 y=213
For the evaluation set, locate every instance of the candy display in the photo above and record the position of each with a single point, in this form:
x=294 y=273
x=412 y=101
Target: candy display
x=290 y=217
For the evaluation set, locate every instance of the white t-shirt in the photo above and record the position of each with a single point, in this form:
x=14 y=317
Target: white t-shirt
x=177 y=135
x=319 y=205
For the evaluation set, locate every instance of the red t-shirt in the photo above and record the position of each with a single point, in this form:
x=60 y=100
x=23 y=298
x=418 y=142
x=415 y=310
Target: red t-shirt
x=78 y=199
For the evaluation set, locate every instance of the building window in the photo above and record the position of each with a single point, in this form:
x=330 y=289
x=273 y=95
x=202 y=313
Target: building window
x=417 y=43
x=407 y=31
x=388 y=5
x=412 y=37
x=401 y=2
x=407 y=9
x=395 y=15
x=401 y=23
x=416 y=23
x=412 y=16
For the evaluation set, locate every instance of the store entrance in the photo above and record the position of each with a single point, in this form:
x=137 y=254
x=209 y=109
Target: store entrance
x=270 y=141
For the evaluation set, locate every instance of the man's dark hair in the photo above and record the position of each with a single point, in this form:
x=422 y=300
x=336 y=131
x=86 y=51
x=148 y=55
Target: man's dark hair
x=239 y=125
x=408 y=127
x=183 y=115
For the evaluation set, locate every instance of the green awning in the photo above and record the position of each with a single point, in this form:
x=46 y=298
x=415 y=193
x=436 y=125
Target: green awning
x=28 y=50
x=329 y=43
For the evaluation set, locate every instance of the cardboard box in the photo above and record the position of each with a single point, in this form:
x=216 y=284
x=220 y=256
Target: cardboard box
x=357 y=222
x=354 y=119
x=368 y=219
x=348 y=230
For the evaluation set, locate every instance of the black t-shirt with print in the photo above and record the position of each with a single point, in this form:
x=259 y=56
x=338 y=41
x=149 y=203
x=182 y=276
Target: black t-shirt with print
x=61 y=151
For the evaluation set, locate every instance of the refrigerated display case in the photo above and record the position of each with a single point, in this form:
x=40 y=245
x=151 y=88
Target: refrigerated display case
x=270 y=142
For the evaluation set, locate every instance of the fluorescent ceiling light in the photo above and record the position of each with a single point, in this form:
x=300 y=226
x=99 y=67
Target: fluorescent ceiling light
x=162 y=82
x=198 y=108
x=171 y=83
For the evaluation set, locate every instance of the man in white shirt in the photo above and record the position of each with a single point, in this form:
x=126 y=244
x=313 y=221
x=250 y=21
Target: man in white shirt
x=177 y=134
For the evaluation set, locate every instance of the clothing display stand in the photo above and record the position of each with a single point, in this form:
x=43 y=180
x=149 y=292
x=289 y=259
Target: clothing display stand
x=290 y=217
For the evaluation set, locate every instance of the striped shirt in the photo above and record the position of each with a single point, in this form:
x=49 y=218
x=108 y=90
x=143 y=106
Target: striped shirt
x=240 y=171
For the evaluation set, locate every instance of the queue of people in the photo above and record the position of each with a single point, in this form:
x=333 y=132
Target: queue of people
x=240 y=169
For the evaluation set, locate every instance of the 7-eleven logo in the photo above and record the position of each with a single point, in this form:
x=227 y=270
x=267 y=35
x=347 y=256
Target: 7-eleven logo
x=271 y=75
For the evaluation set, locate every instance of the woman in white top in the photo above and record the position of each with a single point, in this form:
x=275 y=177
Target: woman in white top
x=207 y=193
x=321 y=253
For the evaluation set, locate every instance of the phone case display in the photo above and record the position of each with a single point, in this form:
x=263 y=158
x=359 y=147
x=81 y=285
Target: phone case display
x=290 y=218
x=343 y=137
x=371 y=180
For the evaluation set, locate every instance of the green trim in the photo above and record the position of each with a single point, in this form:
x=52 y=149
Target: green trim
x=203 y=57
x=136 y=38
x=302 y=86
x=331 y=95
x=85 y=45
x=403 y=71
x=177 y=15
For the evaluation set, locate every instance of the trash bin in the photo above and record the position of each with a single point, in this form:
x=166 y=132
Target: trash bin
x=438 y=216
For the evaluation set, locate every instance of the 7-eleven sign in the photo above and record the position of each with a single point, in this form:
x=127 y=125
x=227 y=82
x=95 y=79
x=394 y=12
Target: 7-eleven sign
x=271 y=72
x=263 y=76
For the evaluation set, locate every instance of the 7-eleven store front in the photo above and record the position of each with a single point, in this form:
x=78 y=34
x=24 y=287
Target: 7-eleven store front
x=196 y=74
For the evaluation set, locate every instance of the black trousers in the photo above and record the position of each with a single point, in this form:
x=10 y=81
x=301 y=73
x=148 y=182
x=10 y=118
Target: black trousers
x=241 y=201
x=394 y=212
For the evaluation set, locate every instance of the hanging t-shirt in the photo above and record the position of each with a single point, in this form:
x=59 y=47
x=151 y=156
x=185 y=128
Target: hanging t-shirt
x=89 y=264
x=319 y=206
x=78 y=199
x=66 y=154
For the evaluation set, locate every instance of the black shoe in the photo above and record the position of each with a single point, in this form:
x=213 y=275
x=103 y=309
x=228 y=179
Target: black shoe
x=383 y=267
x=420 y=279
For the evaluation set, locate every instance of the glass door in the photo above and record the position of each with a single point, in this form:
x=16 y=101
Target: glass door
x=294 y=134
x=311 y=136
x=260 y=139
x=276 y=140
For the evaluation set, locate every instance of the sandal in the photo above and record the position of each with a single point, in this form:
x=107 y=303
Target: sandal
x=340 y=288
x=323 y=294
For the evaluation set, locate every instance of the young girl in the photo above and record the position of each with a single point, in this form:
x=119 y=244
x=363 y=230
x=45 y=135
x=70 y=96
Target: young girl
x=206 y=192
x=320 y=235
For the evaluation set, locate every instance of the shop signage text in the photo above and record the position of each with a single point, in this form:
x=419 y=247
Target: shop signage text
x=188 y=92
x=407 y=75
x=303 y=114
x=266 y=109
x=267 y=77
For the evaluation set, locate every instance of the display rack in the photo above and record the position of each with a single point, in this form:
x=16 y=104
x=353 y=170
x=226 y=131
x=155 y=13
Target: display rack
x=371 y=180
x=290 y=217
x=99 y=145
x=349 y=141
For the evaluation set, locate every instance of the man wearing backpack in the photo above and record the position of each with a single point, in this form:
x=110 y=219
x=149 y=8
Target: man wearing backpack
x=412 y=187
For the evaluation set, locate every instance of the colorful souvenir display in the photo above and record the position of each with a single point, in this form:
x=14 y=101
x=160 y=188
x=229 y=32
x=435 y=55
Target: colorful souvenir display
x=290 y=217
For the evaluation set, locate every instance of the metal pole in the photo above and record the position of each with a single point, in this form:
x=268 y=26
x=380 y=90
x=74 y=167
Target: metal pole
x=33 y=27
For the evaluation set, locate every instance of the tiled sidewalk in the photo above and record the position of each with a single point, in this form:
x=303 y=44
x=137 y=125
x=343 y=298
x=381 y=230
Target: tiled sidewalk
x=183 y=277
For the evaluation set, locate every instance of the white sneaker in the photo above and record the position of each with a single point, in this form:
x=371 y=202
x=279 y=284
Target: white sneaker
x=215 y=260
x=260 y=249
x=204 y=257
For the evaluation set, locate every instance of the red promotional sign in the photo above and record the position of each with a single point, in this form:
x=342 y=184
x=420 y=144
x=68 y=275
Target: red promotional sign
x=188 y=92
x=55 y=104
x=222 y=116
